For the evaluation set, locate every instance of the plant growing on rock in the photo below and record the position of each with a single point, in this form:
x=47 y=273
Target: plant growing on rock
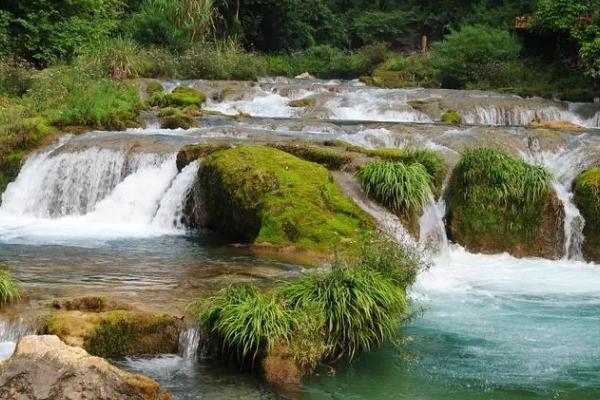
x=362 y=307
x=587 y=198
x=9 y=288
x=404 y=188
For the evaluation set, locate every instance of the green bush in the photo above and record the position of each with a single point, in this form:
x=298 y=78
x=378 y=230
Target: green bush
x=404 y=188
x=472 y=54
x=362 y=308
x=246 y=321
x=413 y=69
x=9 y=289
x=117 y=58
x=587 y=198
x=15 y=77
x=396 y=26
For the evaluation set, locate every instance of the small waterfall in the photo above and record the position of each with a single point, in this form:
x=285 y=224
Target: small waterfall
x=432 y=230
x=10 y=333
x=516 y=115
x=97 y=191
x=565 y=166
x=189 y=342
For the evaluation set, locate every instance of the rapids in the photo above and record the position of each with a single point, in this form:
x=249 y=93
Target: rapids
x=102 y=213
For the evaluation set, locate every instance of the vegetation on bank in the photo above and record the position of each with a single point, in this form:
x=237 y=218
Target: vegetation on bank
x=353 y=307
x=587 y=198
x=10 y=291
x=267 y=197
x=499 y=203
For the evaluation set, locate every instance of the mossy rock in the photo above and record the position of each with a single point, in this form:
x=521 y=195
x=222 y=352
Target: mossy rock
x=587 y=199
x=116 y=332
x=181 y=96
x=193 y=152
x=329 y=158
x=268 y=197
x=305 y=102
x=178 y=121
x=154 y=87
x=498 y=203
x=10 y=165
x=451 y=117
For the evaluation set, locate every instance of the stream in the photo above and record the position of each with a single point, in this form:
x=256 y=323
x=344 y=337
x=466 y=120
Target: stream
x=103 y=213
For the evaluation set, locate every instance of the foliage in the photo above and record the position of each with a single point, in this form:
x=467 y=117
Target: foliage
x=118 y=58
x=266 y=196
x=404 y=188
x=587 y=198
x=397 y=27
x=361 y=307
x=181 y=96
x=451 y=117
x=9 y=288
x=472 y=54
x=246 y=320
x=497 y=198
x=412 y=70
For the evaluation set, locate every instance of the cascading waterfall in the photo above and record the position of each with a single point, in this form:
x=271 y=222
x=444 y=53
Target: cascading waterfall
x=432 y=230
x=98 y=192
x=189 y=342
x=10 y=333
x=565 y=165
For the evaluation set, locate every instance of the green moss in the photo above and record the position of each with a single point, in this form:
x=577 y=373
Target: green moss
x=329 y=158
x=193 y=152
x=10 y=166
x=179 y=120
x=154 y=87
x=305 y=102
x=116 y=333
x=497 y=202
x=587 y=198
x=266 y=196
x=181 y=96
x=451 y=117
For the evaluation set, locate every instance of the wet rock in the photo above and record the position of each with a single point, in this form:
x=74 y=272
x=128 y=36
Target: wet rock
x=43 y=367
x=305 y=75
x=587 y=199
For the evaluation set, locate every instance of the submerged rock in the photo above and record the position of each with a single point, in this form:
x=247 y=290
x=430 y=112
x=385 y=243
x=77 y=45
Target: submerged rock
x=587 y=199
x=43 y=367
x=270 y=198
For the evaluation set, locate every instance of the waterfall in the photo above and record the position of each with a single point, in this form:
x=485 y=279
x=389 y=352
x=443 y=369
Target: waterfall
x=10 y=333
x=516 y=115
x=97 y=192
x=565 y=165
x=189 y=342
x=432 y=230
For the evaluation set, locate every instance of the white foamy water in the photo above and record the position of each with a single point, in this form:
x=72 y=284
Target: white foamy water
x=94 y=193
x=432 y=230
x=10 y=333
x=189 y=341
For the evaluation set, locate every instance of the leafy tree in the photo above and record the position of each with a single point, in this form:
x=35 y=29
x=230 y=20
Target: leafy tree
x=398 y=27
x=473 y=53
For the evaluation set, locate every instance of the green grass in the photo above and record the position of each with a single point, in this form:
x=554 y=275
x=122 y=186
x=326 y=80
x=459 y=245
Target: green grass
x=266 y=196
x=497 y=201
x=181 y=96
x=9 y=289
x=362 y=308
x=403 y=188
x=246 y=320
x=587 y=198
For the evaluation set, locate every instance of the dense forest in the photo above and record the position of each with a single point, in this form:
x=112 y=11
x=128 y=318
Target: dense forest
x=473 y=44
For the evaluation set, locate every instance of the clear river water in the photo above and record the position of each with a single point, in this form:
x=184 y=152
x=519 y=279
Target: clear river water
x=91 y=216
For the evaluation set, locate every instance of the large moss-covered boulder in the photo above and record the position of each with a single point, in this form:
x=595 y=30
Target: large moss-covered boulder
x=498 y=203
x=108 y=329
x=268 y=197
x=587 y=198
x=181 y=96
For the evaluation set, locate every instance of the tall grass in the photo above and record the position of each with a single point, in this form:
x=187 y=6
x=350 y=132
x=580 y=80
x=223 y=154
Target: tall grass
x=491 y=176
x=9 y=288
x=403 y=188
x=361 y=307
x=246 y=321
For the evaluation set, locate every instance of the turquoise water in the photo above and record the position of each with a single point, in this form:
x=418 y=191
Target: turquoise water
x=495 y=327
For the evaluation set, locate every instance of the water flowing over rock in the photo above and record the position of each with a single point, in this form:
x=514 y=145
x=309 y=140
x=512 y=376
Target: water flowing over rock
x=43 y=367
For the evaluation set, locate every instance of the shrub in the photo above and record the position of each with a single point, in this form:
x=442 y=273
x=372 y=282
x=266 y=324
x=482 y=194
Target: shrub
x=362 y=308
x=451 y=117
x=413 y=70
x=395 y=26
x=473 y=53
x=9 y=288
x=15 y=77
x=403 y=188
x=587 y=198
x=246 y=321
x=117 y=58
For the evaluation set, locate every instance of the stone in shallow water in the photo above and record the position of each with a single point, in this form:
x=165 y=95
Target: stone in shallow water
x=43 y=367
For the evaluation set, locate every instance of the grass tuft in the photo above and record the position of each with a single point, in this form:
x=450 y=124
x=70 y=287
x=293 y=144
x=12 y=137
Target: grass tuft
x=9 y=289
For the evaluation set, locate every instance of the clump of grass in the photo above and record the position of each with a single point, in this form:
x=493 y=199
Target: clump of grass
x=587 y=198
x=492 y=177
x=181 y=96
x=9 y=288
x=403 y=188
x=361 y=307
x=451 y=117
x=247 y=321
